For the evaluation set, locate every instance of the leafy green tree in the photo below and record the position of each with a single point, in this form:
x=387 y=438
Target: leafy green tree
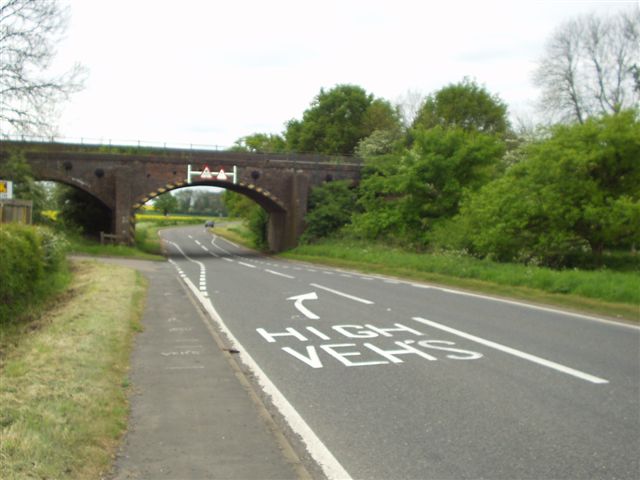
x=238 y=205
x=166 y=203
x=330 y=208
x=260 y=143
x=464 y=105
x=255 y=216
x=402 y=197
x=575 y=193
x=380 y=142
x=258 y=222
x=184 y=197
x=80 y=211
x=208 y=202
x=25 y=187
x=338 y=119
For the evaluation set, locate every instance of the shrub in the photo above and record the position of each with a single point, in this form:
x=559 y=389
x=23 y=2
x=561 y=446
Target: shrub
x=30 y=257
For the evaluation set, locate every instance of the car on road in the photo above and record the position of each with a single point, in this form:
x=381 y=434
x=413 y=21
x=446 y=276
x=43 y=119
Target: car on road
x=209 y=224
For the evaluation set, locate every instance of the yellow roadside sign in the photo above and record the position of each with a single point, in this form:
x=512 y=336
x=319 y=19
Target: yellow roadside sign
x=6 y=190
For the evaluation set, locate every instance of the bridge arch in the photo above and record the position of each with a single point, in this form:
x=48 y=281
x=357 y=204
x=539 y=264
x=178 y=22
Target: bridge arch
x=80 y=184
x=102 y=212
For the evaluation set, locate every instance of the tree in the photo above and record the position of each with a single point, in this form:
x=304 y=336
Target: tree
x=260 y=143
x=409 y=105
x=185 y=198
x=25 y=186
x=28 y=95
x=589 y=65
x=166 y=203
x=402 y=197
x=575 y=192
x=78 y=210
x=338 y=119
x=330 y=208
x=464 y=105
x=238 y=205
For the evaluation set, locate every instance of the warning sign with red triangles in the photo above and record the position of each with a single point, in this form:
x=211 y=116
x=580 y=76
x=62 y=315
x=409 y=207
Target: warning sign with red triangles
x=206 y=173
x=222 y=175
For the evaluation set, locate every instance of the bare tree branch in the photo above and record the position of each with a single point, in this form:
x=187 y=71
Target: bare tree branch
x=29 y=94
x=588 y=67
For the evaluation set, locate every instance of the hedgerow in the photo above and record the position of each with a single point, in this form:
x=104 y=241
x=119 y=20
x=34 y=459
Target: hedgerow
x=32 y=262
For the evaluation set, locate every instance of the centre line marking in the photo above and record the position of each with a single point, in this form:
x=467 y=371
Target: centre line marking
x=247 y=264
x=342 y=294
x=514 y=352
x=278 y=273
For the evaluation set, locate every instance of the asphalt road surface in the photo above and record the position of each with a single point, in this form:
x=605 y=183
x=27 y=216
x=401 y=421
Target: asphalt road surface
x=390 y=379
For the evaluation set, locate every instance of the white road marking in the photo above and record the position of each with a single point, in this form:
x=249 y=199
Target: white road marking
x=247 y=265
x=279 y=274
x=195 y=367
x=298 y=299
x=513 y=351
x=318 y=450
x=203 y=271
x=342 y=294
x=525 y=305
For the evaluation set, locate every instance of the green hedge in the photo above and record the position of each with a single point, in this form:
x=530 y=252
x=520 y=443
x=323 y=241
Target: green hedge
x=32 y=261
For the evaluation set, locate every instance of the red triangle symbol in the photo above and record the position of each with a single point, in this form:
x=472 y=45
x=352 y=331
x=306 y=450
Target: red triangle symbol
x=206 y=173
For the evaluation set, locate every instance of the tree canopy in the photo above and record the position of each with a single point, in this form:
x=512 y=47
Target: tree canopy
x=465 y=105
x=401 y=197
x=576 y=193
x=338 y=119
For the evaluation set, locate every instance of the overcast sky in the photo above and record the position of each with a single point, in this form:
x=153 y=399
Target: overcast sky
x=209 y=71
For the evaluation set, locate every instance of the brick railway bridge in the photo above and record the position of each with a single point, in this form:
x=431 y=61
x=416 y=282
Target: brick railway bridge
x=123 y=178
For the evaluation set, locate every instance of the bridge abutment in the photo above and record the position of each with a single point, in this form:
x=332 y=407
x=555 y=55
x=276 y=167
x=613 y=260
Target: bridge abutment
x=123 y=214
x=285 y=228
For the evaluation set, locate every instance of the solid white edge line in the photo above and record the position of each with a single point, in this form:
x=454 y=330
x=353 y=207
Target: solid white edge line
x=279 y=274
x=319 y=452
x=526 y=305
x=513 y=351
x=342 y=294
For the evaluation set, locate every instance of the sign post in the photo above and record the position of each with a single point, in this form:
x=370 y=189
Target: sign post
x=207 y=174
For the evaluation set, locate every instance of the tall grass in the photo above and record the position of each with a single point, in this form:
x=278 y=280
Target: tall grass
x=606 y=285
x=63 y=389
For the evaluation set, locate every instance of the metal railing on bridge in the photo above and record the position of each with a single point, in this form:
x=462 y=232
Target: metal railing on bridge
x=142 y=145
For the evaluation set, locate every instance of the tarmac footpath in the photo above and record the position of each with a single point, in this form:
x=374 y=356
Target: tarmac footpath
x=194 y=415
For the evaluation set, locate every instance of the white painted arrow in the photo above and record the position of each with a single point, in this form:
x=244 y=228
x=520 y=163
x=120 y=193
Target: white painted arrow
x=304 y=310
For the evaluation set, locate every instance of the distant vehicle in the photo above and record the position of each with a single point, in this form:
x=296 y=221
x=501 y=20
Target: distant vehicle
x=209 y=224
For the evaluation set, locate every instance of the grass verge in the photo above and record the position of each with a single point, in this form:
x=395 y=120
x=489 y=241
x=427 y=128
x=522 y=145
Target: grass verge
x=615 y=294
x=90 y=247
x=237 y=233
x=64 y=380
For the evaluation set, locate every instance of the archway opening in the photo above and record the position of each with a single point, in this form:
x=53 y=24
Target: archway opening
x=242 y=212
x=68 y=208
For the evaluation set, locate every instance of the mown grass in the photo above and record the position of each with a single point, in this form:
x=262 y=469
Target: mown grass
x=601 y=291
x=236 y=232
x=147 y=242
x=64 y=377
